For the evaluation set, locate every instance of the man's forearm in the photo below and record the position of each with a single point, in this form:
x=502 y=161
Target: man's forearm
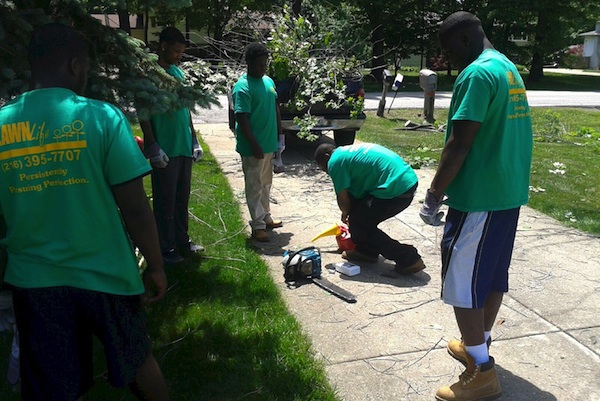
x=148 y=132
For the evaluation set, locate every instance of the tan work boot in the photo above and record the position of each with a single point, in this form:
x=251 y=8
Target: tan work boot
x=457 y=350
x=476 y=383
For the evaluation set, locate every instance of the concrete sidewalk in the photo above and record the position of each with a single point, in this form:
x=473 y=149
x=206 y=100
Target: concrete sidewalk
x=390 y=344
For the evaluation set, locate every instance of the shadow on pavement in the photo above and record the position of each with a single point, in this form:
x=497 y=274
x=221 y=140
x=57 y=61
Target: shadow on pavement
x=516 y=388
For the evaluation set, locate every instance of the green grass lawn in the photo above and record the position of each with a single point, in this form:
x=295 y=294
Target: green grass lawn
x=565 y=175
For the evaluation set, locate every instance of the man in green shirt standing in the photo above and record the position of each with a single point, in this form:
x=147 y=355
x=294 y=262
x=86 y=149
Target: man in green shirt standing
x=258 y=124
x=172 y=146
x=73 y=200
x=484 y=171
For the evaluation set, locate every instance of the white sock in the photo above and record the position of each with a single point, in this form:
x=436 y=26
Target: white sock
x=478 y=352
x=488 y=334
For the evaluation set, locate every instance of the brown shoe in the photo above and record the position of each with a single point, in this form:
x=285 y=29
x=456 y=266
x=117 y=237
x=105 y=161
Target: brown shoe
x=477 y=382
x=260 y=235
x=352 y=254
x=414 y=268
x=456 y=349
x=275 y=224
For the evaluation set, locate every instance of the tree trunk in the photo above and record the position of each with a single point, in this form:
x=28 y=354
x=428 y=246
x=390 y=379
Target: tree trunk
x=296 y=7
x=124 y=20
x=536 y=73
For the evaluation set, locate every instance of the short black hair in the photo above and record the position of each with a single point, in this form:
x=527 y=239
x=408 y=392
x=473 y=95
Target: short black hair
x=322 y=150
x=255 y=50
x=171 y=35
x=54 y=43
x=458 y=21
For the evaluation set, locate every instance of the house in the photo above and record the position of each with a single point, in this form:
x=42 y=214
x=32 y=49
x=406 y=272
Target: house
x=591 y=47
x=149 y=34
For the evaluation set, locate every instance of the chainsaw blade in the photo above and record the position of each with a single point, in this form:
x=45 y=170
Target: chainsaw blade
x=334 y=289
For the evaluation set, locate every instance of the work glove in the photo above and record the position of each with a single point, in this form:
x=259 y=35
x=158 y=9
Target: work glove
x=280 y=143
x=197 y=151
x=157 y=156
x=430 y=211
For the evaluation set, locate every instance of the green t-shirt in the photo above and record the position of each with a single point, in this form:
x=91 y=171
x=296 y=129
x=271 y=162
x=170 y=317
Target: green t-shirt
x=369 y=169
x=495 y=175
x=256 y=96
x=172 y=129
x=60 y=154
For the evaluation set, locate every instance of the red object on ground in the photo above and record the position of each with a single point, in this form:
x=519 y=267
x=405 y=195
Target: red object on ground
x=140 y=142
x=344 y=240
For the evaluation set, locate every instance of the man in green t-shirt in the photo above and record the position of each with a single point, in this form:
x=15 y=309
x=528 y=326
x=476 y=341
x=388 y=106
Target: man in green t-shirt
x=73 y=201
x=372 y=184
x=258 y=124
x=484 y=172
x=171 y=145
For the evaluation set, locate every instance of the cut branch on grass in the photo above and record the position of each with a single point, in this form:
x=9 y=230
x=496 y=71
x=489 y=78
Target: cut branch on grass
x=219 y=258
x=221 y=218
x=199 y=220
x=229 y=237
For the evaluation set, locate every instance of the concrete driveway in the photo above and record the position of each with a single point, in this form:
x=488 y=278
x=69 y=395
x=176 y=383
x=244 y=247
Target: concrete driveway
x=390 y=344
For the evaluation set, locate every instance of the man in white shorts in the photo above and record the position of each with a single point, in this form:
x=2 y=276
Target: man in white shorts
x=484 y=172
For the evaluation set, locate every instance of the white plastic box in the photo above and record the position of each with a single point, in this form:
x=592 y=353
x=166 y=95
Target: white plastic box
x=348 y=269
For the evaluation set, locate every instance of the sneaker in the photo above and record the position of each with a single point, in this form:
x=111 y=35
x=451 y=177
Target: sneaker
x=414 y=268
x=354 y=255
x=278 y=169
x=456 y=349
x=191 y=248
x=260 y=235
x=172 y=257
x=477 y=382
x=275 y=224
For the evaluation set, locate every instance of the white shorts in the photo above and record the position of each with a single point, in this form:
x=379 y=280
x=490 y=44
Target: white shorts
x=476 y=252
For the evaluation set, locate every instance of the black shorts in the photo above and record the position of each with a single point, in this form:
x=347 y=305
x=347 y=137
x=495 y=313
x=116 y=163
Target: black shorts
x=56 y=327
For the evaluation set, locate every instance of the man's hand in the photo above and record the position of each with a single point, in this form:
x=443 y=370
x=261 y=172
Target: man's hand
x=257 y=151
x=430 y=211
x=155 y=283
x=197 y=152
x=158 y=158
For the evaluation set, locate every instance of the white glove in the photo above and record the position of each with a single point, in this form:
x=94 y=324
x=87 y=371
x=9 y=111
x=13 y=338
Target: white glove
x=197 y=152
x=158 y=158
x=430 y=210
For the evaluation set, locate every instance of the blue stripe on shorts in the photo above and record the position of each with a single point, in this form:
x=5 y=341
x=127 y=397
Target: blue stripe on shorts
x=476 y=252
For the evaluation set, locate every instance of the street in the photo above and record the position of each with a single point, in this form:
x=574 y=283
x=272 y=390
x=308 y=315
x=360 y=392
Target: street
x=415 y=100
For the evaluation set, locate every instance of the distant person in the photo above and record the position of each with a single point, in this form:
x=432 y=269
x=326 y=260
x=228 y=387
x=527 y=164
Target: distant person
x=372 y=184
x=74 y=205
x=484 y=171
x=258 y=124
x=172 y=146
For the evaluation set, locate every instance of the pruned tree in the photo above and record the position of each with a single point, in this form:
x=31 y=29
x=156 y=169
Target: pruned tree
x=123 y=71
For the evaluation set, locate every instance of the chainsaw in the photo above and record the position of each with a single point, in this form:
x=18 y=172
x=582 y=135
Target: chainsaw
x=304 y=266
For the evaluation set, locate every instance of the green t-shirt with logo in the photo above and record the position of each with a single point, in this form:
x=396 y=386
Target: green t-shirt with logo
x=368 y=169
x=172 y=129
x=256 y=96
x=495 y=174
x=60 y=154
